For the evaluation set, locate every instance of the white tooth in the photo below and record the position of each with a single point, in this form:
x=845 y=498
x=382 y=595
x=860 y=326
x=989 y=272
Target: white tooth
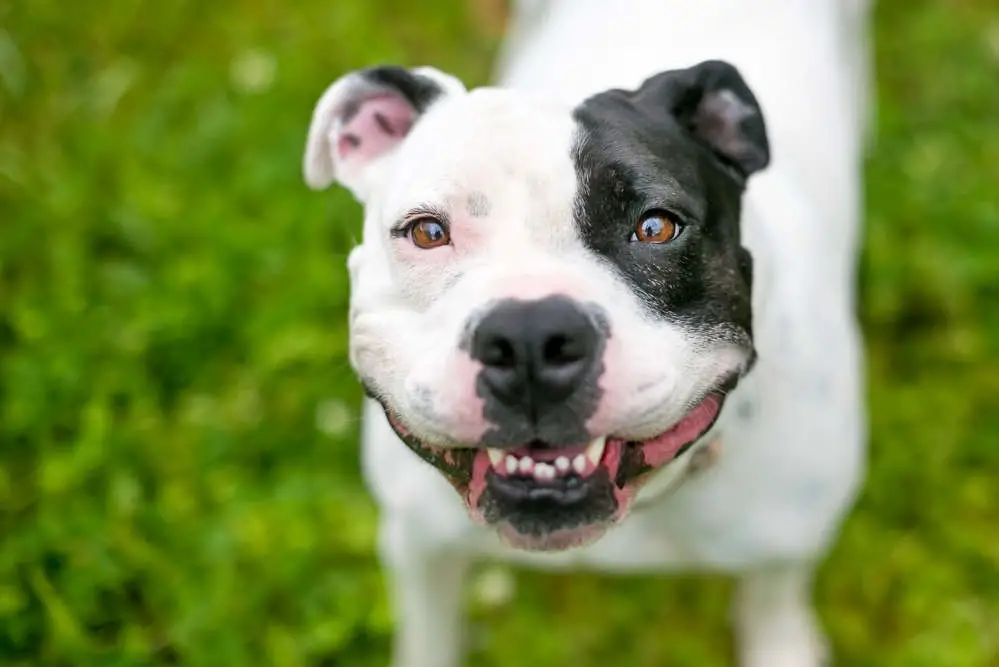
x=579 y=464
x=526 y=464
x=496 y=457
x=511 y=464
x=595 y=450
x=543 y=471
x=562 y=465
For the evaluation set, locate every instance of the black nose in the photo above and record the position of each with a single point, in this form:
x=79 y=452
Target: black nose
x=535 y=353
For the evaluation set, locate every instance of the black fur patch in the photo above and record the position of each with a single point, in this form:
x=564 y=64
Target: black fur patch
x=636 y=152
x=419 y=91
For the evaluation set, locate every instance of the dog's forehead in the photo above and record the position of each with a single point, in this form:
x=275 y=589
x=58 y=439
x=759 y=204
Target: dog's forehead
x=499 y=144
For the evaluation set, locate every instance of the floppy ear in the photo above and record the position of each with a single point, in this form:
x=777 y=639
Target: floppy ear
x=362 y=117
x=714 y=103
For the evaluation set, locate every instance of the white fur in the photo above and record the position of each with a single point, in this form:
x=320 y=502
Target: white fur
x=515 y=149
x=771 y=505
x=321 y=165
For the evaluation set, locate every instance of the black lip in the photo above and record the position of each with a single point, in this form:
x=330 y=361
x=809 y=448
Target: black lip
x=563 y=491
x=459 y=469
x=538 y=510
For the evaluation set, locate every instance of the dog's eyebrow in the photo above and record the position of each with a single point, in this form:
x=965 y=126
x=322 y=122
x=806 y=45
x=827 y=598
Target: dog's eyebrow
x=401 y=225
x=669 y=191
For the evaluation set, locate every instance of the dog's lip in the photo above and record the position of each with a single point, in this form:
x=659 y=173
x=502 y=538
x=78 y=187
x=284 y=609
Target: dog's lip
x=464 y=466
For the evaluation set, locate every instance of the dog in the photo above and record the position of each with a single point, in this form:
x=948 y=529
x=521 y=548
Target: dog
x=603 y=312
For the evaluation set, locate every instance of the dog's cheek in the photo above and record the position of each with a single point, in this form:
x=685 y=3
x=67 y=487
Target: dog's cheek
x=371 y=286
x=613 y=388
x=366 y=353
x=423 y=276
x=717 y=354
x=447 y=391
x=422 y=284
x=375 y=349
x=640 y=366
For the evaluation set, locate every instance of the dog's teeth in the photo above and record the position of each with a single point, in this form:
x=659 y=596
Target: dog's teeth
x=526 y=465
x=595 y=450
x=511 y=464
x=496 y=457
x=544 y=472
x=562 y=465
x=579 y=464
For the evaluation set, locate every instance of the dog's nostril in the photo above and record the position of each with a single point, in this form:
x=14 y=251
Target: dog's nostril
x=560 y=350
x=535 y=352
x=498 y=353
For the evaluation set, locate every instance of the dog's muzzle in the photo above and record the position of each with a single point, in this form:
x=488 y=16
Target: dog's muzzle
x=538 y=475
x=541 y=362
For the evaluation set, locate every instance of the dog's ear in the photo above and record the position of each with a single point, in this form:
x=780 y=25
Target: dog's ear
x=362 y=117
x=713 y=102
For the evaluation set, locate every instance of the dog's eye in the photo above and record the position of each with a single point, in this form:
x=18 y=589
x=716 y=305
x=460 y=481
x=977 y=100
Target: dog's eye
x=428 y=233
x=656 y=227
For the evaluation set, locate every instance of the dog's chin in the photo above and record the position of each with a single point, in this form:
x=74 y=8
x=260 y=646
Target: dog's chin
x=542 y=498
x=556 y=540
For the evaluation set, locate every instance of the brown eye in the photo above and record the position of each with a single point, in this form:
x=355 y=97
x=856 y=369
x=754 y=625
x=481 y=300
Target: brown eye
x=656 y=227
x=429 y=233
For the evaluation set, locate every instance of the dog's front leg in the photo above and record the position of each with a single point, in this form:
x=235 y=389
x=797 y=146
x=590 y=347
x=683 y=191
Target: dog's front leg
x=775 y=623
x=425 y=586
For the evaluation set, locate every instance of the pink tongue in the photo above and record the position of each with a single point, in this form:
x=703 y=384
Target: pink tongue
x=662 y=449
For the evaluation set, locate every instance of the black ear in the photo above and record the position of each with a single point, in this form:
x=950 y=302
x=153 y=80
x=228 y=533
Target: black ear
x=713 y=102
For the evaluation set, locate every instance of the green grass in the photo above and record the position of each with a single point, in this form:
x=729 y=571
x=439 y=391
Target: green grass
x=178 y=463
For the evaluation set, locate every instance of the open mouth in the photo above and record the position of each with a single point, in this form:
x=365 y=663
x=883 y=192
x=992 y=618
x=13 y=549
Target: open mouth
x=543 y=497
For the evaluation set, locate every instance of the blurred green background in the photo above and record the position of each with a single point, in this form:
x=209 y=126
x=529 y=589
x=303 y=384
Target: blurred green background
x=178 y=463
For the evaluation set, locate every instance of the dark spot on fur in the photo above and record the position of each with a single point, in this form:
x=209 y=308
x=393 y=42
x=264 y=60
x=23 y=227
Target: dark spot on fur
x=423 y=397
x=452 y=279
x=478 y=205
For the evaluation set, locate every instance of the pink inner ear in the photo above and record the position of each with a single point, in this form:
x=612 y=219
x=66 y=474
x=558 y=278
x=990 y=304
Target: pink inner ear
x=378 y=124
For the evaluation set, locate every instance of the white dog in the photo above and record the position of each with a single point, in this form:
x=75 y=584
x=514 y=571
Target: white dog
x=605 y=312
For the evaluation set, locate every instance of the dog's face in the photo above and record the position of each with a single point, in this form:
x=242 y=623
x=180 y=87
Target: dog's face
x=549 y=303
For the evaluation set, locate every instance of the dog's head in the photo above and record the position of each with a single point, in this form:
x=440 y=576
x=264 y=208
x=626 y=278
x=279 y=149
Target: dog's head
x=549 y=303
